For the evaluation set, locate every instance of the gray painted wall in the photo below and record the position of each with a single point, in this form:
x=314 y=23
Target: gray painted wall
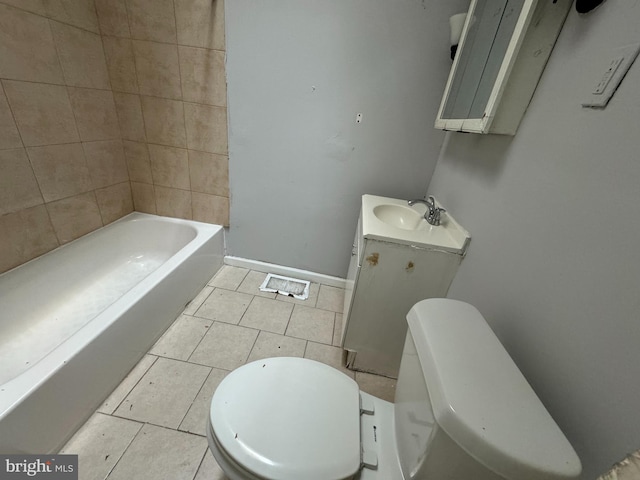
x=298 y=73
x=554 y=215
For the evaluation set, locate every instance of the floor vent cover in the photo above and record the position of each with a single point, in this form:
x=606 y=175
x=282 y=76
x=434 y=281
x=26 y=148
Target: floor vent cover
x=286 y=286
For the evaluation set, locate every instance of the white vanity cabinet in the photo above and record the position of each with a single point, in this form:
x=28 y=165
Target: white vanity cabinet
x=389 y=272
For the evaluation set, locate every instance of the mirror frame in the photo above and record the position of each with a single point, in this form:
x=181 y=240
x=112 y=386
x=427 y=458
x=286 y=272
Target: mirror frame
x=482 y=125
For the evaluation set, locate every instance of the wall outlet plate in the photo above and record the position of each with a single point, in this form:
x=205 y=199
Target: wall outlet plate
x=612 y=73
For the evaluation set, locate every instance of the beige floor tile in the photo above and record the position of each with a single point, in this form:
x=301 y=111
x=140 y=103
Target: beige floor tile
x=165 y=393
x=119 y=394
x=330 y=298
x=267 y=314
x=329 y=355
x=209 y=469
x=195 y=304
x=311 y=324
x=224 y=306
x=337 y=330
x=272 y=345
x=228 y=277
x=196 y=419
x=225 y=346
x=100 y=443
x=251 y=284
x=381 y=387
x=314 y=288
x=182 y=338
x=158 y=453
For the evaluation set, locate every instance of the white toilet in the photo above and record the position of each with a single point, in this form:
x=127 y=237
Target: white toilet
x=462 y=411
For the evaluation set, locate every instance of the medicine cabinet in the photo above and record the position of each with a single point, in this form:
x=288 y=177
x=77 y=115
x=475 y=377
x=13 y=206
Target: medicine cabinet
x=504 y=47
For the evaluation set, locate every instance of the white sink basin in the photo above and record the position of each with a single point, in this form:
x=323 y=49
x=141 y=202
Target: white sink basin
x=398 y=216
x=393 y=220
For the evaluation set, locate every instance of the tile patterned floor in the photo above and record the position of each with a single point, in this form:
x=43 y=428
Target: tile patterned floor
x=153 y=424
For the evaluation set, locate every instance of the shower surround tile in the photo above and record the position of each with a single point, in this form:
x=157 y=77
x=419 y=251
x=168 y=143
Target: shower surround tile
x=61 y=170
x=164 y=121
x=112 y=18
x=158 y=69
x=202 y=73
x=129 y=109
x=78 y=13
x=138 y=163
x=18 y=186
x=121 y=64
x=114 y=202
x=27 y=36
x=74 y=216
x=42 y=112
x=95 y=113
x=81 y=56
x=152 y=20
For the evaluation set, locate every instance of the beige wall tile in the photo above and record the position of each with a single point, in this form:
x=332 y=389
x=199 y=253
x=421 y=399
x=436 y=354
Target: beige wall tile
x=137 y=155
x=43 y=113
x=74 y=216
x=114 y=202
x=95 y=113
x=18 y=186
x=121 y=64
x=172 y=202
x=129 y=111
x=27 y=50
x=210 y=208
x=158 y=69
x=106 y=163
x=209 y=173
x=25 y=235
x=61 y=170
x=203 y=76
x=81 y=56
x=200 y=23
x=169 y=166
x=152 y=20
x=80 y=13
x=112 y=18
x=9 y=136
x=206 y=128
x=35 y=6
x=164 y=121
x=144 y=197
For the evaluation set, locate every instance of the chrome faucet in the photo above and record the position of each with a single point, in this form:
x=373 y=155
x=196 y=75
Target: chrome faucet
x=432 y=215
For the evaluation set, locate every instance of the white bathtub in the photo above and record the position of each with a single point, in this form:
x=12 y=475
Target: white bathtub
x=76 y=320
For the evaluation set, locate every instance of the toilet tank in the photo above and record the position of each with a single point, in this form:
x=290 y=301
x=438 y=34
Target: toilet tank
x=464 y=411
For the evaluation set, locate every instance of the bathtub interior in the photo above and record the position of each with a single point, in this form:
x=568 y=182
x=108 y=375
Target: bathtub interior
x=47 y=300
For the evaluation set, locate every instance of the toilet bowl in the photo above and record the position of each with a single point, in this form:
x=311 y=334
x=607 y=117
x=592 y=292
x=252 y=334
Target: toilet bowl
x=462 y=410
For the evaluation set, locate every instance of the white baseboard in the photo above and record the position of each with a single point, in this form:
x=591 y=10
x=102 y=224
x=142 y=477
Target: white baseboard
x=286 y=271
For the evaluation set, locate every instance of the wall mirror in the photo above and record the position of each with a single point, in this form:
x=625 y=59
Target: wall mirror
x=504 y=47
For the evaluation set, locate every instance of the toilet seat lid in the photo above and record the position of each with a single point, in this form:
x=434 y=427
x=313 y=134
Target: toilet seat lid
x=289 y=418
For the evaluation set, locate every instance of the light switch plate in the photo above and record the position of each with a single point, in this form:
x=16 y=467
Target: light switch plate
x=612 y=73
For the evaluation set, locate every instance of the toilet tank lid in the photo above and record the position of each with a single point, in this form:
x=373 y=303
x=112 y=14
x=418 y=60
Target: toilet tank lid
x=481 y=399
